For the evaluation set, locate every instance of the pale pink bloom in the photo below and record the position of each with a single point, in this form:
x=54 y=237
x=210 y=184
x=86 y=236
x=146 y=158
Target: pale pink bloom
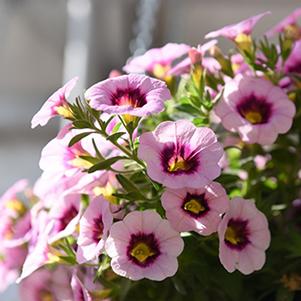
x=288 y=23
x=14 y=215
x=143 y=245
x=243 y=175
x=243 y=237
x=178 y=154
x=39 y=251
x=84 y=287
x=64 y=217
x=11 y=260
x=196 y=210
x=47 y=285
x=80 y=293
x=261 y=161
x=133 y=94
x=94 y=227
x=256 y=109
x=57 y=101
x=239 y=64
x=64 y=168
x=195 y=55
x=14 y=190
x=157 y=61
x=232 y=31
x=293 y=62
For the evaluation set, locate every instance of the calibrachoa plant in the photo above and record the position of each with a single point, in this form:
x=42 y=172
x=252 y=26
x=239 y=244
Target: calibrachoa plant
x=179 y=179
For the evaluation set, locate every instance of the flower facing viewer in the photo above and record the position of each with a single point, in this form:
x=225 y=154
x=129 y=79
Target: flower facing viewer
x=244 y=236
x=256 y=109
x=196 y=210
x=143 y=245
x=178 y=154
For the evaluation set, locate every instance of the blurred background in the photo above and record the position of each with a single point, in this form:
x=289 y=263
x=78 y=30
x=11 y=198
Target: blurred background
x=46 y=42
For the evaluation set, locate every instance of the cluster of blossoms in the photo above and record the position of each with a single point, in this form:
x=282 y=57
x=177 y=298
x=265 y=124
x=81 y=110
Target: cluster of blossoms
x=159 y=170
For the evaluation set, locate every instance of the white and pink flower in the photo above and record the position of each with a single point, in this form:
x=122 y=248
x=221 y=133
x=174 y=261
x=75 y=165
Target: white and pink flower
x=293 y=62
x=256 y=109
x=47 y=285
x=133 y=94
x=179 y=155
x=94 y=227
x=157 y=61
x=196 y=210
x=233 y=31
x=289 y=25
x=55 y=105
x=244 y=236
x=143 y=245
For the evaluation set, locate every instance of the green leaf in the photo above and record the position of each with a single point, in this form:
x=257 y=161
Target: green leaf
x=98 y=154
x=90 y=159
x=105 y=164
x=128 y=185
x=115 y=137
x=81 y=124
x=78 y=137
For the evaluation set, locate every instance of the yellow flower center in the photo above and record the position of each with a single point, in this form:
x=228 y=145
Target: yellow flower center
x=160 y=71
x=107 y=192
x=243 y=41
x=232 y=236
x=253 y=117
x=64 y=111
x=178 y=164
x=194 y=206
x=16 y=206
x=46 y=296
x=81 y=163
x=141 y=252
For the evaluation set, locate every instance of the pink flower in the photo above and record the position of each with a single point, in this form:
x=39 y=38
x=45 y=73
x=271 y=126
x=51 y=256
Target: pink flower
x=157 y=61
x=261 y=161
x=55 y=105
x=256 y=109
x=94 y=227
x=143 y=245
x=64 y=168
x=39 y=251
x=293 y=62
x=232 y=31
x=64 y=217
x=244 y=236
x=288 y=25
x=195 y=56
x=179 y=155
x=47 y=285
x=133 y=94
x=84 y=287
x=196 y=210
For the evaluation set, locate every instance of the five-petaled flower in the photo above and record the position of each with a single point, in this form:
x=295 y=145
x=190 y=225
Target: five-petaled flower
x=178 y=154
x=133 y=94
x=244 y=236
x=196 y=210
x=143 y=245
x=256 y=109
